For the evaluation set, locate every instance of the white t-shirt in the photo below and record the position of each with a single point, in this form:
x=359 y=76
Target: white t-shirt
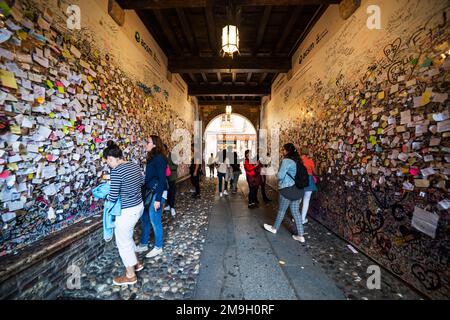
x=223 y=166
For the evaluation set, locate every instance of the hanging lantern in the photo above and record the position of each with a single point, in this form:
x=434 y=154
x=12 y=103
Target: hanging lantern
x=230 y=40
x=228 y=109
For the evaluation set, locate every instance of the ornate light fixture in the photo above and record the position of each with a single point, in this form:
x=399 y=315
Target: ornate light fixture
x=228 y=109
x=230 y=40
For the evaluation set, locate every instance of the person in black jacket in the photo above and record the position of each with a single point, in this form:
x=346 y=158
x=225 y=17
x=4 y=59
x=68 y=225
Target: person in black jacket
x=155 y=180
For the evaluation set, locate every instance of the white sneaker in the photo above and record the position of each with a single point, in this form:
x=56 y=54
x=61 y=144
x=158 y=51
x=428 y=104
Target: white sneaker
x=221 y=194
x=305 y=221
x=192 y=191
x=141 y=248
x=269 y=228
x=167 y=208
x=225 y=192
x=298 y=238
x=154 y=252
x=172 y=212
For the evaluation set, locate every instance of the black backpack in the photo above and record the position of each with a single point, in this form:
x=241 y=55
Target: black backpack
x=301 y=176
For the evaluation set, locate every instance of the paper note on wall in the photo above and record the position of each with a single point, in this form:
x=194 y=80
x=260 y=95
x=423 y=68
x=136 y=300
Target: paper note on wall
x=425 y=221
x=8 y=79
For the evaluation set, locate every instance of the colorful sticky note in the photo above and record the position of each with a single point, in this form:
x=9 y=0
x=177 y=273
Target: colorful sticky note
x=5 y=174
x=65 y=130
x=380 y=131
x=15 y=129
x=427 y=62
x=40 y=100
x=363 y=102
x=50 y=84
x=8 y=79
x=381 y=95
x=5 y=9
x=52 y=115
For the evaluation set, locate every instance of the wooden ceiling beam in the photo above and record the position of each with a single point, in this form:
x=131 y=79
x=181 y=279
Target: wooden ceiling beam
x=262 y=78
x=249 y=77
x=226 y=65
x=234 y=103
x=205 y=79
x=169 y=4
x=187 y=30
x=262 y=29
x=287 y=30
x=167 y=31
x=211 y=29
x=220 y=90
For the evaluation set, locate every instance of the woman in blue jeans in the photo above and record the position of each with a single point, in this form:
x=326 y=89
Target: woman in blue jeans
x=156 y=180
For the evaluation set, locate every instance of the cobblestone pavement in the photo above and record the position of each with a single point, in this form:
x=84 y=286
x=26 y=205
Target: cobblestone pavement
x=171 y=275
x=347 y=269
x=174 y=274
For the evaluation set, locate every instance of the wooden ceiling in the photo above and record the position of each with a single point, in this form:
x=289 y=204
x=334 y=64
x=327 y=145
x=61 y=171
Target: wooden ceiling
x=189 y=33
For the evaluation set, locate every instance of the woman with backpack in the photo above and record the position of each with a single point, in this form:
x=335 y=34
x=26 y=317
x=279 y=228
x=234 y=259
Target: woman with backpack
x=290 y=194
x=156 y=185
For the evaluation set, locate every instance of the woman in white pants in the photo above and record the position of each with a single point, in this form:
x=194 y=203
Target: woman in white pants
x=126 y=182
x=310 y=166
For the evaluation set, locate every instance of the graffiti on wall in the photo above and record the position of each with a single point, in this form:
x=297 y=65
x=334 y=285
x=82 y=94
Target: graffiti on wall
x=60 y=101
x=378 y=128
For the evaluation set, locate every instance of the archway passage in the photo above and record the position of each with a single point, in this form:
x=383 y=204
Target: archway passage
x=235 y=132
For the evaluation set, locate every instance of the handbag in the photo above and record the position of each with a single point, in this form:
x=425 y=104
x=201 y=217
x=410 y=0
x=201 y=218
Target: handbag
x=147 y=196
x=292 y=193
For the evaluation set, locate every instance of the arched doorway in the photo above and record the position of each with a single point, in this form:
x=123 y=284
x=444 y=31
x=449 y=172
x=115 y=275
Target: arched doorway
x=237 y=133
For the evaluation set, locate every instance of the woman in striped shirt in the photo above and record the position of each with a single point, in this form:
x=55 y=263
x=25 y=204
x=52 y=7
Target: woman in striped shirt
x=126 y=183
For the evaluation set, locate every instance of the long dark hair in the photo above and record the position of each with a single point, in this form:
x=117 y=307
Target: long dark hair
x=292 y=152
x=158 y=149
x=247 y=153
x=112 y=150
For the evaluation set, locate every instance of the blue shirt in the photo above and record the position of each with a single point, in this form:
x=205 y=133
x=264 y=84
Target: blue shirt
x=155 y=176
x=284 y=180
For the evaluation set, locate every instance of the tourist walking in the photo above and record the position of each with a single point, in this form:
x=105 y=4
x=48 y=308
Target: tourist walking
x=254 y=180
x=236 y=167
x=126 y=183
x=194 y=172
x=172 y=180
x=311 y=168
x=290 y=194
x=224 y=166
x=264 y=178
x=211 y=165
x=156 y=193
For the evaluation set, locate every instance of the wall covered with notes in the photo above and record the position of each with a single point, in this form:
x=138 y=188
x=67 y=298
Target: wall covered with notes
x=372 y=107
x=63 y=94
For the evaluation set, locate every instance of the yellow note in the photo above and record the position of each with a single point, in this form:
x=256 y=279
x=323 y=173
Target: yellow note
x=380 y=131
x=426 y=97
x=22 y=34
x=30 y=176
x=90 y=79
x=50 y=84
x=61 y=89
x=15 y=130
x=66 y=54
x=381 y=95
x=65 y=130
x=52 y=115
x=72 y=122
x=40 y=100
x=8 y=79
x=13 y=166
